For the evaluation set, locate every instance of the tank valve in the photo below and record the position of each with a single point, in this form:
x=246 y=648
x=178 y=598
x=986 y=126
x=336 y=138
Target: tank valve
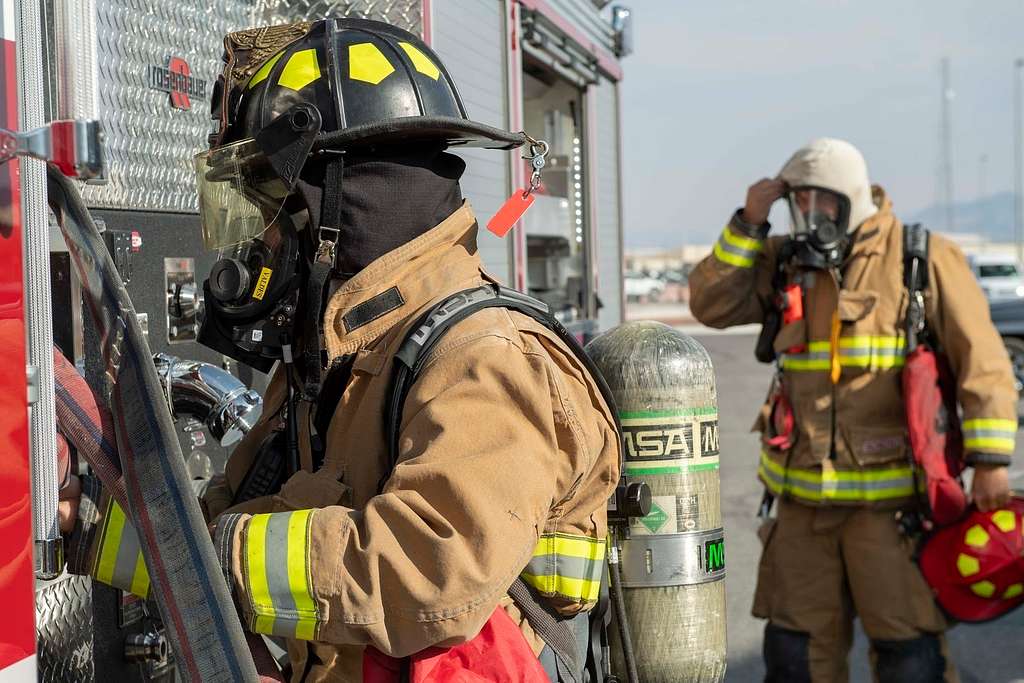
x=145 y=647
x=632 y=499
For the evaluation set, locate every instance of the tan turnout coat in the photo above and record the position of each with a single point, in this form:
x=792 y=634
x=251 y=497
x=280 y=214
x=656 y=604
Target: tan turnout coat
x=733 y=286
x=508 y=456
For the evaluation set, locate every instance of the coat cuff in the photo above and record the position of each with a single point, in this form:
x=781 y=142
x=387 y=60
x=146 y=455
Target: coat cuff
x=996 y=459
x=989 y=436
x=758 y=232
x=739 y=243
x=266 y=558
x=104 y=544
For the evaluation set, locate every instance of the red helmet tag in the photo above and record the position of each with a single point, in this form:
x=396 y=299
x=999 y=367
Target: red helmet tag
x=510 y=212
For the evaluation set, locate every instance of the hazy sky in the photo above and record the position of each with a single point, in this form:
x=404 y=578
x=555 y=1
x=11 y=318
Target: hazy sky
x=718 y=94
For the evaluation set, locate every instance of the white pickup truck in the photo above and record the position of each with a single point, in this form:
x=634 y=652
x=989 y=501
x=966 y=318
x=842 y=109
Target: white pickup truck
x=1000 y=276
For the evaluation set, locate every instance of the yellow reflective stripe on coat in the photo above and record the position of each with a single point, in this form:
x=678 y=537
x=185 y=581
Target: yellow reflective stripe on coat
x=990 y=435
x=815 y=485
x=277 y=575
x=863 y=351
x=119 y=560
x=737 y=250
x=567 y=566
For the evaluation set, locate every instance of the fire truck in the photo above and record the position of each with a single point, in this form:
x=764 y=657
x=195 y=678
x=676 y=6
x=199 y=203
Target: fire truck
x=115 y=93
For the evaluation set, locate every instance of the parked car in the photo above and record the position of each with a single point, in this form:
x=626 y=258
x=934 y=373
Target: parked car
x=1008 y=317
x=1000 y=276
x=641 y=287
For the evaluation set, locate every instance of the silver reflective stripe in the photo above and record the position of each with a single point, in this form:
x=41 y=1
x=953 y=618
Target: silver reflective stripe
x=129 y=555
x=575 y=567
x=738 y=251
x=277 y=570
x=841 y=484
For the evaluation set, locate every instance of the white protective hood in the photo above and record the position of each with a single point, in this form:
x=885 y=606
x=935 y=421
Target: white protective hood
x=834 y=165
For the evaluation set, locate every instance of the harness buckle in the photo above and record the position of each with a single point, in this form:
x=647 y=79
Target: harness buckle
x=327 y=246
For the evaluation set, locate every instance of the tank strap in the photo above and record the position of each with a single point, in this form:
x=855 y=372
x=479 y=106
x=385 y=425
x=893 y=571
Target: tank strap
x=556 y=631
x=415 y=350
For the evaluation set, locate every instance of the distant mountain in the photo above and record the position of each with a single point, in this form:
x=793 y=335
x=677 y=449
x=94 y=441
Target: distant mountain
x=991 y=217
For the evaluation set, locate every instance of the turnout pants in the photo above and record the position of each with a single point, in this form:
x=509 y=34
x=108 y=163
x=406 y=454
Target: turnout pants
x=820 y=568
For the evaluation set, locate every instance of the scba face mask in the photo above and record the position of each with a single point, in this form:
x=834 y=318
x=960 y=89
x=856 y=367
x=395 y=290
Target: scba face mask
x=252 y=294
x=820 y=225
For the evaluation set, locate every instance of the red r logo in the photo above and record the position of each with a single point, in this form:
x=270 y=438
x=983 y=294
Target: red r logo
x=179 y=77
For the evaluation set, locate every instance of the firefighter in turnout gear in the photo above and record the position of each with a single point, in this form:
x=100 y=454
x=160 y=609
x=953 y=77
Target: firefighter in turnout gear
x=339 y=221
x=834 y=450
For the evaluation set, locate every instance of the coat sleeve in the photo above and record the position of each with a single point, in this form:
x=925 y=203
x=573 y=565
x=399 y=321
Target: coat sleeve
x=104 y=544
x=490 y=444
x=732 y=285
x=959 y=317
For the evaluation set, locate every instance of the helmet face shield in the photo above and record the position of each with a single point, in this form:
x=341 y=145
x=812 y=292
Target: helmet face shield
x=240 y=194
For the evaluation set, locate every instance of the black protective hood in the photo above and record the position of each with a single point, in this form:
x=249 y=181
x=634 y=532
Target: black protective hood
x=389 y=198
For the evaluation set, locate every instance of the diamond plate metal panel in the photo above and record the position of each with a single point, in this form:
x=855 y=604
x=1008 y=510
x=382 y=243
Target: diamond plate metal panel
x=64 y=631
x=150 y=143
x=405 y=13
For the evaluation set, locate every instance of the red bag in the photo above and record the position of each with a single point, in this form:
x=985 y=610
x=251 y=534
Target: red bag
x=929 y=398
x=498 y=654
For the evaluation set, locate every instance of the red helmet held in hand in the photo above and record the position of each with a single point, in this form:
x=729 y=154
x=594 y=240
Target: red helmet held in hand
x=976 y=567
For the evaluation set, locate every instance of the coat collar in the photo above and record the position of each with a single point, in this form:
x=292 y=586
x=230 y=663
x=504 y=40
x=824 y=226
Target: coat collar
x=872 y=236
x=403 y=281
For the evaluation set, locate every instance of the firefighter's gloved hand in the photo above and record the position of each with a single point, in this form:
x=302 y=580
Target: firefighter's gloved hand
x=760 y=198
x=991 y=487
x=67 y=508
x=70 y=488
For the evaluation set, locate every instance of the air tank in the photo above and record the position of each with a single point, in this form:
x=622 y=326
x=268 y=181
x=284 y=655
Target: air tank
x=673 y=559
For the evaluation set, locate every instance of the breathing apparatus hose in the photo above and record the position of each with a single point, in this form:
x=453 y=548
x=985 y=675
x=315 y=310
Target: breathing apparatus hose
x=621 y=617
x=186 y=579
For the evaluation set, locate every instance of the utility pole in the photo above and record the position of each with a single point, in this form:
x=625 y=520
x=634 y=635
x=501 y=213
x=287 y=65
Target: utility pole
x=947 y=145
x=1018 y=174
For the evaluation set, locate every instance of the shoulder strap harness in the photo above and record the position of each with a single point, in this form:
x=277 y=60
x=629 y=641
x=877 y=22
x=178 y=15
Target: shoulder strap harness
x=915 y=279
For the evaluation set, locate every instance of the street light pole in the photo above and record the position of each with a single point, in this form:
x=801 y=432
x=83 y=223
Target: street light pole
x=1018 y=149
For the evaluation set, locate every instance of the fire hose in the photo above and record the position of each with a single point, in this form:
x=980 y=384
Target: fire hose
x=138 y=456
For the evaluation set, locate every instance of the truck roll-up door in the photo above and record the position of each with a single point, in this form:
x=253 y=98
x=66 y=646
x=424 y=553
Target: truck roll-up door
x=469 y=35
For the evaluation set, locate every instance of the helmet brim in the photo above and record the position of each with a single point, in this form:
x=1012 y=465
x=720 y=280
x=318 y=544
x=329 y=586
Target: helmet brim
x=456 y=132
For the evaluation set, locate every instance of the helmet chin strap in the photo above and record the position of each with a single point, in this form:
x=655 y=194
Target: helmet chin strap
x=324 y=232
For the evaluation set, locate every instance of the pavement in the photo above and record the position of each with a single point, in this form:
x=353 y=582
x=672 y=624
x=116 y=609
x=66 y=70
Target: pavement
x=985 y=653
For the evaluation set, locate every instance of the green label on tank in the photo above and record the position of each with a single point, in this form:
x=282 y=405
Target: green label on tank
x=655 y=519
x=676 y=413
x=670 y=444
x=714 y=556
x=667 y=467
